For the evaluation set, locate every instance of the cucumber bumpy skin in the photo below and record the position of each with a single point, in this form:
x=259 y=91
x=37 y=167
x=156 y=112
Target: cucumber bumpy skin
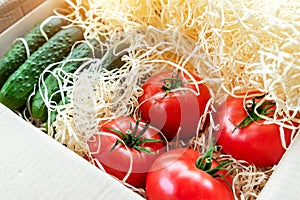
x=17 y=54
x=21 y=83
x=38 y=107
x=110 y=61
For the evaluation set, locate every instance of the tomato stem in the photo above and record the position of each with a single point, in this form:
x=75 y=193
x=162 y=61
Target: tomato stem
x=133 y=139
x=251 y=107
x=172 y=83
x=205 y=162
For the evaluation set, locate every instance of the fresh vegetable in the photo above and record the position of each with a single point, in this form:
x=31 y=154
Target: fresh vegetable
x=132 y=141
x=17 y=53
x=109 y=61
x=170 y=103
x=246 y=136
x=20 y=84
x=39 y=109
x=182 y=174
x=54 y=113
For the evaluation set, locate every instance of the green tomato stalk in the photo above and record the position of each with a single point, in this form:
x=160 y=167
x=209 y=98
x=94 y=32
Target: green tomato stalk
x=252 y=107
x=131 y=138
x=205 y=163
x=172 y=83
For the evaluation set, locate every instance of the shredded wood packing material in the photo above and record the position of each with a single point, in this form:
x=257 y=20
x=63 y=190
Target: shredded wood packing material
x=250 y=44
x=233 y=45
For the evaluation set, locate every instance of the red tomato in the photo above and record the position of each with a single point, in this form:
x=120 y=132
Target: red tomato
x=175 y=176
x=256 y=142
x=115 y=157
x=169 y=104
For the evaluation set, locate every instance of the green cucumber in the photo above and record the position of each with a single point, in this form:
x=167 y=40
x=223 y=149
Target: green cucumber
x=21 y=83
x=54 y=113
x=38 y=107
x=17 y=54
x=109 y=61
x=112 y=61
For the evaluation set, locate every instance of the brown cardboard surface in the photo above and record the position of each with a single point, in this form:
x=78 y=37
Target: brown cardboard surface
x=26 y=23
x=13 y=10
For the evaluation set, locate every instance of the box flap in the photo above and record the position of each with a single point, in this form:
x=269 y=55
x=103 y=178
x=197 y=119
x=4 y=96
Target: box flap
x=35 y=166
x=285 y=181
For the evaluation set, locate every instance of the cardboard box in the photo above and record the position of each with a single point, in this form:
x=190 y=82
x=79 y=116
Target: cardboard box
x=34 y=166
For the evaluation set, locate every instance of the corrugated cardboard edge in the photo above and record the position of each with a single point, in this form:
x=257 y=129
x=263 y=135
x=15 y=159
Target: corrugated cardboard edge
x=13 y=10
x=284 y=183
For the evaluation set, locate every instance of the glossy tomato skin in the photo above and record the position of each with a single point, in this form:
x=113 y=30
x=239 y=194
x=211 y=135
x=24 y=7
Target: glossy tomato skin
x=117 y=162
x=176 y=110
x=258 y=143
x=174 y=176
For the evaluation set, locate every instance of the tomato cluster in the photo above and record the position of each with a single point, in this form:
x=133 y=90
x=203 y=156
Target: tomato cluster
x=172 y=107
x=132 y=148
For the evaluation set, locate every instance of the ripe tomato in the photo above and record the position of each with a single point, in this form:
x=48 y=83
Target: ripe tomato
x=144 y=146
x=175 y=176
x=170 y=104
x=256 y=142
